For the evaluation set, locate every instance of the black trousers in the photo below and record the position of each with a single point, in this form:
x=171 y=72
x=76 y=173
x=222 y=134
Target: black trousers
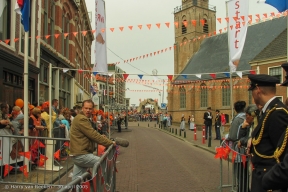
x=119 y=126
x=208 y=129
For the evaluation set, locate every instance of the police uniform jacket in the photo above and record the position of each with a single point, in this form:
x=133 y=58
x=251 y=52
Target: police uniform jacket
x=218 y=120
x=207 y=121
x=272 y=123
x=277 y=177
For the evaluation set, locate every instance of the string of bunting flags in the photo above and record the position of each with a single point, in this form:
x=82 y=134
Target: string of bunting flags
x=224 y=151
x=30 y=155
x=154 y=53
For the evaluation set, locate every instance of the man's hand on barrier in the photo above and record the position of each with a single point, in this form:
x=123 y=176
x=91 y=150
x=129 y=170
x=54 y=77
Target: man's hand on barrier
x=4 y=122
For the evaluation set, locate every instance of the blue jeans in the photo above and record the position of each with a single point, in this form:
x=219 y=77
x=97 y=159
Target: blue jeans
x=82 y=163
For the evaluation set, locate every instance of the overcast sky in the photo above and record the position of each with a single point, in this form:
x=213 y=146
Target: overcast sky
x=132 y=43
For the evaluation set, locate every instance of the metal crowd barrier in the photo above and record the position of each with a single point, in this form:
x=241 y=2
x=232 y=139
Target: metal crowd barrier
x=102 y=177
x=237 y=174
x=47 y=161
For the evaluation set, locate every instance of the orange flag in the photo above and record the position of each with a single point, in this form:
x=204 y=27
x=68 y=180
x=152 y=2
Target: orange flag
x=47 y=36
x=16 y=39
x=56 y=35
x=112 y=29
x=7 y=169
x=121 y=28
x=66 y=143
x=219 y=19
x=84 y=33
x=42 y=160
x=37 y=144
x=167 y=24
x=25 y=154
x=193 y=22
x=158 y=25
x=140 y=26
x=66 y=34
x=57 y=154
x=24 y=170
x=149 y=26
x=130 y=27
x=75 y=33
x=86 y=186
x=176 y=24
x=227 y=19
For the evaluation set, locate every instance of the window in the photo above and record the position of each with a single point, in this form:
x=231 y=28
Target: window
x=184 y=28
x=5 y=19
x=52 y=24
x=276 y=72
x=45 y=21
x=182 y=97
x=205 y=26
x=204 y=95
x=225 y=94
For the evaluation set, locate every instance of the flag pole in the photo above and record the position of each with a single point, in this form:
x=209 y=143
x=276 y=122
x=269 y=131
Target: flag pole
x=26 y=111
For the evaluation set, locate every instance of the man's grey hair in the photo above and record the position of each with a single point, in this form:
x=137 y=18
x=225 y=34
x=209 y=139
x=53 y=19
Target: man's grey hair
x=251 y=109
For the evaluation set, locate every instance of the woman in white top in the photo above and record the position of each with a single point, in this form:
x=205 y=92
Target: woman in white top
x=192 y=123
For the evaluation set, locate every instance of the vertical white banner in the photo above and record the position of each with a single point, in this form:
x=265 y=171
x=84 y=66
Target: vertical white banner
x=238 y=11
x=100 y=65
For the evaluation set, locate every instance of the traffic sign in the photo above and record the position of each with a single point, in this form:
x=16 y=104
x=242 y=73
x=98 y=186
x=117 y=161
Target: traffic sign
x=163 y=105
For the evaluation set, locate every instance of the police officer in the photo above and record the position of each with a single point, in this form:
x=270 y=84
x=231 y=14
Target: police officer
x=266 y=135
x=217 y=125
x=277 y=177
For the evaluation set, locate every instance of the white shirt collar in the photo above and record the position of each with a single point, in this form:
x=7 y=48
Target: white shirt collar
x=266 y=104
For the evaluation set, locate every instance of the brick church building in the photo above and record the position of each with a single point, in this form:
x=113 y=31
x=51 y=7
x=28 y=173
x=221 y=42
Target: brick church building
x=201 y=64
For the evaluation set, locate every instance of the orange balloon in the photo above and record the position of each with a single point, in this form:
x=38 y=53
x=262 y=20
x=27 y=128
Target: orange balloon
x=19 y=103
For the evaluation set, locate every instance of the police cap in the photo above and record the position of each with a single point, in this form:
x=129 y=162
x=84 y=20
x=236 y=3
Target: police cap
x=262 y=80
x=285 y=67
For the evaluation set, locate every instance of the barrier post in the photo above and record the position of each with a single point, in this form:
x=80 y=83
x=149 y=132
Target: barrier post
x=184 y=134
x=180 y=132
x=203 y=137
x=172 y=130
x=175 y=131
x=148 y=124
x=195 y=133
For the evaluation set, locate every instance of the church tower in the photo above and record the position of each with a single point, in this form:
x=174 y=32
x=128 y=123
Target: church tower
x=194 y=18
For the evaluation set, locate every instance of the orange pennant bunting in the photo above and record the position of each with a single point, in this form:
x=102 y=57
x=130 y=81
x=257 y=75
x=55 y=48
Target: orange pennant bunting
x=235 y=18
x=149 y=26
x=25 y=154
x=47 y=36
x=84 y=33
x=56 y=35
x=7 y=169
x=231 y=27
x=219 y=19
x=121 y=28
x=16 y=39
x=250 y=17
x=170 y=77
x=193 y=22
x=102 y=30
x=176 y=24
x=265 y=15
x=66 y=34
x=24 y=170
x=93 y=31
x=257 y=15
x=57 y=155
x=227 y=19
x=203 y=22
x=185 y=23
x=112 y=29
x=75 y=34
x=167 y=24
x=140 y=26
x=158 y=25
x=37 y=37
x=243 y=18
x=42 y=160
x=125 y=76
x=130 y=27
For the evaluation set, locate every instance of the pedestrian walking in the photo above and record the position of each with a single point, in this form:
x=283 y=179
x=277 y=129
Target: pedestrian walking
x=182 y=124
x=191 y=125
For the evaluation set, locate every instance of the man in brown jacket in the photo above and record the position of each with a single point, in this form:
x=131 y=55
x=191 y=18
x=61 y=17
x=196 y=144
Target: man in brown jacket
x=82 y=140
